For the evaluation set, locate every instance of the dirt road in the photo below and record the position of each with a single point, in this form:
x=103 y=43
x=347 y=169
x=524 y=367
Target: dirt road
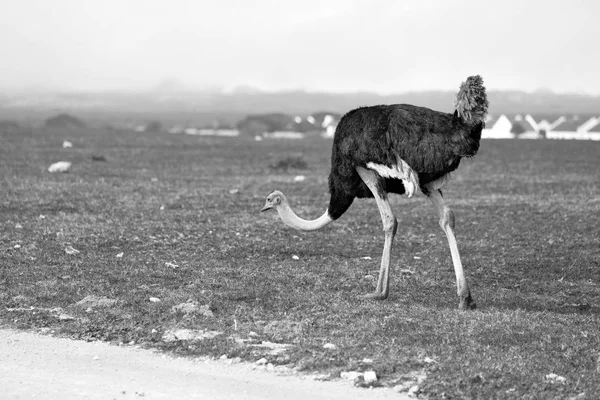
x=44 y=367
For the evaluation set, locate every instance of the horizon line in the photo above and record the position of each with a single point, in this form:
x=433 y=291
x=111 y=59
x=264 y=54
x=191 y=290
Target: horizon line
x=252 y=90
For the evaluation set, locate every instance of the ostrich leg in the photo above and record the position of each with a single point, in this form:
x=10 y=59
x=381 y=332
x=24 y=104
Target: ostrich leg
x=447 y=224
x=372 y=180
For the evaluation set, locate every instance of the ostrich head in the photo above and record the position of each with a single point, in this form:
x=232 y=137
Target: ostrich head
x=274 y=200
x=471 y=101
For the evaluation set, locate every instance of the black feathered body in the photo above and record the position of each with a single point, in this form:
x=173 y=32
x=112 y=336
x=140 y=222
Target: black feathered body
x=432 y=143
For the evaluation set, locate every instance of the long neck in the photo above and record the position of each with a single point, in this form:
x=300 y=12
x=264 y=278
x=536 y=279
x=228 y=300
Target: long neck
x=466 y=136
x=291 y=219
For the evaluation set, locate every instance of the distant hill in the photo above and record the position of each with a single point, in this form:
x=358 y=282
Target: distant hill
x=64 y=121
x=246 y=101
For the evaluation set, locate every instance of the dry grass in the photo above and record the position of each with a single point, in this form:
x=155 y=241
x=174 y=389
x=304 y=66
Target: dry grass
x=527 y=226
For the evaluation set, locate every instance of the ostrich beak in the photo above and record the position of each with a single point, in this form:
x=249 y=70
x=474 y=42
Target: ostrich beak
x=267 y=207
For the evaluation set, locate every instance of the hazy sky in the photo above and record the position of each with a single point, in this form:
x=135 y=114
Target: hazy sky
x=386 y=46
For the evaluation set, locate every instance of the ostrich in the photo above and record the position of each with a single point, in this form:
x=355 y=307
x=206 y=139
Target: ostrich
x=399 y=149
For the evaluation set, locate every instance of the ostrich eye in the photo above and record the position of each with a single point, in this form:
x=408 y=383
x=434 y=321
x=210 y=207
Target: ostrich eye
x=276 y=200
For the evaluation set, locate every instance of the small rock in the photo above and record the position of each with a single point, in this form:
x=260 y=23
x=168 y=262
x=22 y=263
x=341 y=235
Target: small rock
x=153 y=331
x=162 y=208
x=370 y=377
x=17 y=246
x=367 y=360
x=18 y=226
x=223 y=357
x=556 y=378
x=262 y=361
x=120 y=255
x=67 y=144
x=413 y=391
x=299 y=178
x=429 y=360
x=61 y=166
x=154 y=299
x=234 y=191
x=66 y=317
x=71 y=250
x=417 y=257
x=366 y=258
x=369 y=278
x=295 y=257
x=188 y=334
x=351 y=375
x=329 y=346
x=172 y=265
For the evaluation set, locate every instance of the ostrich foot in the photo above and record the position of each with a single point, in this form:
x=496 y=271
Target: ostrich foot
x=467 y=303
x=375 y=296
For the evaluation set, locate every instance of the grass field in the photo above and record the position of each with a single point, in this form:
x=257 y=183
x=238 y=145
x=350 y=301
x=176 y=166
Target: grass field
x=184 y=213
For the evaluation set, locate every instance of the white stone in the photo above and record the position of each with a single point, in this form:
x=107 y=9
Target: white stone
x=370 y=377
x=556 y=378
x=65 y=317
x=61 y=166
x=329 y=346
x=350 y=375
x=413 y=391
x=71 y=250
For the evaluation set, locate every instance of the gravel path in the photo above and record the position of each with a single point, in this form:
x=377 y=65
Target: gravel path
x=37 y=366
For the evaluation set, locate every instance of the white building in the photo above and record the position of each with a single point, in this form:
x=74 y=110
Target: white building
x=500 y=129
